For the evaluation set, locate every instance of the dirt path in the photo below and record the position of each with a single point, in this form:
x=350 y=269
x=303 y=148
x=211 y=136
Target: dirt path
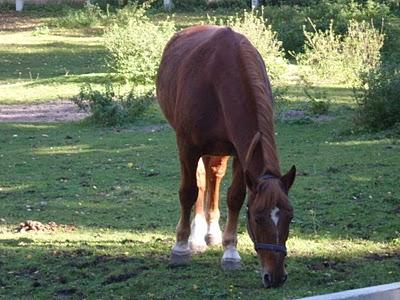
x=18 y=21
x=56 y=111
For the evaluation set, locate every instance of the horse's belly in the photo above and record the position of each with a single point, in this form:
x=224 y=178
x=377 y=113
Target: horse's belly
x=218 y=148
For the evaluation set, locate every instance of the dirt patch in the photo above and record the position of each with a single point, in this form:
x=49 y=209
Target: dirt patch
x=298 y=115
x=124 y=276
x=35 y=226
x=56 y=111
x=383 y=256
x=17 y=21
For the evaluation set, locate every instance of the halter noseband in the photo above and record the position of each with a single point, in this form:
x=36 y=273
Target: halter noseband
x=264 y=246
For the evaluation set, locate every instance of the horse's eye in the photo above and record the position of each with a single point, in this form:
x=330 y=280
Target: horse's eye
x=261 y=220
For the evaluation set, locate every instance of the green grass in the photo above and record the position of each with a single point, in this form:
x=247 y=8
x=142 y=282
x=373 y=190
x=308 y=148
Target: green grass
x=38 y=68
x=43 y=63
x=119 y=188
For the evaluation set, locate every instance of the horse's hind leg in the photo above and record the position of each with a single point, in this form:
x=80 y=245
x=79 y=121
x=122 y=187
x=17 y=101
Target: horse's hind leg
x=198 y=228
x=215 y=170
x=187 y=195
x=236 y=195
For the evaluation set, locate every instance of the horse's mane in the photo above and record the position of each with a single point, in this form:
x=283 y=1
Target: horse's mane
x=262 y=96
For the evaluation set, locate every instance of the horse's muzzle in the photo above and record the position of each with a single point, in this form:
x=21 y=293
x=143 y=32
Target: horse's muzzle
x=269 y=281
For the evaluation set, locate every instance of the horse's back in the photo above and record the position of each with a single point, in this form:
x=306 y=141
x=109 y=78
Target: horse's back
x=188 y=73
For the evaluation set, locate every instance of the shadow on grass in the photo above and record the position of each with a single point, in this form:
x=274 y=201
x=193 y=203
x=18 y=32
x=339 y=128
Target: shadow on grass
x=128 y=180
x=52 y=60
x=132 y=269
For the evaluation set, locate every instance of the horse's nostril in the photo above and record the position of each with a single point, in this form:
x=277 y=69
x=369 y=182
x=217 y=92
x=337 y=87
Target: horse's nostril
x=284 y=278
x=266 y=280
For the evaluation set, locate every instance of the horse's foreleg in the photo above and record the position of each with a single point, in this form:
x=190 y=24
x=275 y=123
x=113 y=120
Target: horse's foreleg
x=187 y=196
x=236 y=196
x=198 y=228
x=215 y=170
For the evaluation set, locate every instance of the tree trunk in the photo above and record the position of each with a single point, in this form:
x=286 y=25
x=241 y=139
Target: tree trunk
x=167 y=4
x=254 y=4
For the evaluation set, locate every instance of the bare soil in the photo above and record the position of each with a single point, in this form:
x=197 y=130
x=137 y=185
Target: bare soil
x=30 y=225
x=56 y=111
x=18 y=21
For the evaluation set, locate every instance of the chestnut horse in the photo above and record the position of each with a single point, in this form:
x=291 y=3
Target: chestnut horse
x=214 y=91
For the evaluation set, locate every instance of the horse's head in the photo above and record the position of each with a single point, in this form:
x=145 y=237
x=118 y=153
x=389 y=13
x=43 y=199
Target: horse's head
x=269 y=214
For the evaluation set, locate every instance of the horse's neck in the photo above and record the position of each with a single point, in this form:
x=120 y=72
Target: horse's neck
x=263 y=160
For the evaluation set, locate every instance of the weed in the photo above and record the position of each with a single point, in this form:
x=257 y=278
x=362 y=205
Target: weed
x=135 y=45
x=341 y=58
x=41 y=30
x=90 y=15
x=111 y=108
x=378 y=98
x=317 y=101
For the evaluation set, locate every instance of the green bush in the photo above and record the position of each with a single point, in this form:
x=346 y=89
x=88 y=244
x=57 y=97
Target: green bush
x=135 y=44
x=89 y=16
x=288 y=20
x=253 y=26
x=378 y=98
x=112 y=108
x=338 y=58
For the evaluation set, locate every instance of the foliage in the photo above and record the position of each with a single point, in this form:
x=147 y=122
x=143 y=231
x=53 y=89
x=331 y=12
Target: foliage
x=317 y=101
x=378 y=98
x=288 y=20
x=340 y=58
x=135 y=44
x=111 y=108
x=41 y=30
x=89 y=16
x=253 y=26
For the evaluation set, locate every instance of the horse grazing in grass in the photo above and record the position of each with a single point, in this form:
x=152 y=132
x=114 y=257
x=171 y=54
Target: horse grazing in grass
x=213 y=89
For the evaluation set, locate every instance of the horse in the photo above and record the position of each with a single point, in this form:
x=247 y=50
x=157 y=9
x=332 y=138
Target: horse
x=213 y=89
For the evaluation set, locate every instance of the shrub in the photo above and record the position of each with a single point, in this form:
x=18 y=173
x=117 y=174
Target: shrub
x=340 y=58
x=378 y=98
x=317 y=102
x=89 y=16
x=289 y=17
x=135 y=44
x=253 y=26
x=288 y=22
x=112 y=108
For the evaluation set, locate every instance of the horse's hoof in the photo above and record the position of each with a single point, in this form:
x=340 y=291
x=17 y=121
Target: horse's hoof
x=230 y=264
x=179 y=259
x=213 y=240
x=198 y=248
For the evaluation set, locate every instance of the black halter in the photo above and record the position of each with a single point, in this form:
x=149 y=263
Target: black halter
x=264 y=246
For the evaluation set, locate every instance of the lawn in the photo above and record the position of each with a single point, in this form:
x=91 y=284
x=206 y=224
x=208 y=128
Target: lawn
x=115 y=191
x=118 y=188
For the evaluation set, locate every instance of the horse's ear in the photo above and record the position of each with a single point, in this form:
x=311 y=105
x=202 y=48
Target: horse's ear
x=250 y=181
x=289 y=177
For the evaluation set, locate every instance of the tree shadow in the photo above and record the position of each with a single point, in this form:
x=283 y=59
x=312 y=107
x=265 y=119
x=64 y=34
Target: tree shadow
x=59 y=58
x=128 y=180
x=131 y=268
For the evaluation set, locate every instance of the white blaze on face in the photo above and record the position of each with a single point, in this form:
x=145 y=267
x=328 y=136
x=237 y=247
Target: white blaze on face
x=274 y=215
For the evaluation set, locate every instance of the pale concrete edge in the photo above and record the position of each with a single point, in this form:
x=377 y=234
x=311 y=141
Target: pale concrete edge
x=363 y=292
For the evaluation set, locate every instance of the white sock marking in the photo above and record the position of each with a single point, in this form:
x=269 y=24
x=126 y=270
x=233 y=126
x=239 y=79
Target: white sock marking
x=214 y=229
x=198 y=230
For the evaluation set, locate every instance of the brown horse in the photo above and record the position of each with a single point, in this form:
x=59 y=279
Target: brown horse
x=213 y=89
